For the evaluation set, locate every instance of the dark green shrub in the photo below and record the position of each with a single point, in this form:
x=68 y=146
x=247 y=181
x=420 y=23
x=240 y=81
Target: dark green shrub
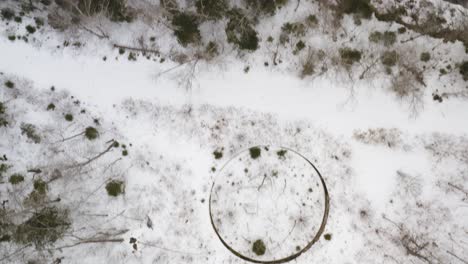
x=239 y=31
x=3 y=169
x=255 y=152
x=69 y=117
x=361 y=8
x=212 y=9
x=3 y=121
x=312 y=20
x=387 y=38
x=30 y=131
x=375 y=36
x=12 y=37
x=267 y=7
x=464 y=70
x=297 y=29
x=51 y=107
x=18 y=19
x=186 y=28
x=217 y=154
x=350 y=56
x=425 y=56
x=124 y=152
x=7 y=13
x=308 y=68
x=115 y=188
x=44 y=227
x=40 y=186
x=259 y=247
x=30 y=29
x=16 y=178
x=300 y=45
x=132 y=56
x=327 y=236
x=389 y=58
x=10 y=84
x=91 y=133
x=2 y=108
x=39 y=22
x=281 y=153
x=211 y=50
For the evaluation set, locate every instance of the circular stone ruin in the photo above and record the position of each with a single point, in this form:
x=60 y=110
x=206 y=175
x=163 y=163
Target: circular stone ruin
x=268 y=204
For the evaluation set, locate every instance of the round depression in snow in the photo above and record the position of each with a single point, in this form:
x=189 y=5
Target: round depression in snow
x=268 y=204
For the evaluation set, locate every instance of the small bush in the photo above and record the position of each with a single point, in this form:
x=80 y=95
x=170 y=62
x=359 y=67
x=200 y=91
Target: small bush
x=31 y=29
x=212 y=9
x=3 y=121
x=186 y=28
x=239 y=31
x=255 y=152
x=375 y=36
x=116 y=10
x=3 y=169
x=16 y=179
x=281 y=153
x=291 y=29
x=312 y=20
x=387 y=38
x=389 y=58
x=132 y=56
x=259 y=247
x=425 y=56
x=350 y=56
x=327 y=236
x=51 y=107
x=361 y=8
x=7 y=13
x=211 y=50
x=39 y=22
x=217 y=154
x=39 y=193
x=267 y=7
x=91 y=133
x=10 y=84
x=124 y=152
x=44 y=227
x=464 y=70
x=300 y=45
x=30 y=131
x=12 y=37
x=115 y=188
x=40 y=186
x=69 y=117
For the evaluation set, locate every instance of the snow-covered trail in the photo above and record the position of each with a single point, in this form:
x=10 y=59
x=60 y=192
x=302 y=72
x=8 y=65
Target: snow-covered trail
x=326 y=104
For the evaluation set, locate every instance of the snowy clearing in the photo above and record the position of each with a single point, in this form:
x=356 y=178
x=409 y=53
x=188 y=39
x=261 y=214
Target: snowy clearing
x=123 y=140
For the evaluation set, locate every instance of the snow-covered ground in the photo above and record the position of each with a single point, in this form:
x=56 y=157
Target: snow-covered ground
x=397 y=177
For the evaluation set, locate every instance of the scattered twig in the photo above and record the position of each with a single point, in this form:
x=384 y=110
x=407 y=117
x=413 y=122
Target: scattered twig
x=136 y=49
